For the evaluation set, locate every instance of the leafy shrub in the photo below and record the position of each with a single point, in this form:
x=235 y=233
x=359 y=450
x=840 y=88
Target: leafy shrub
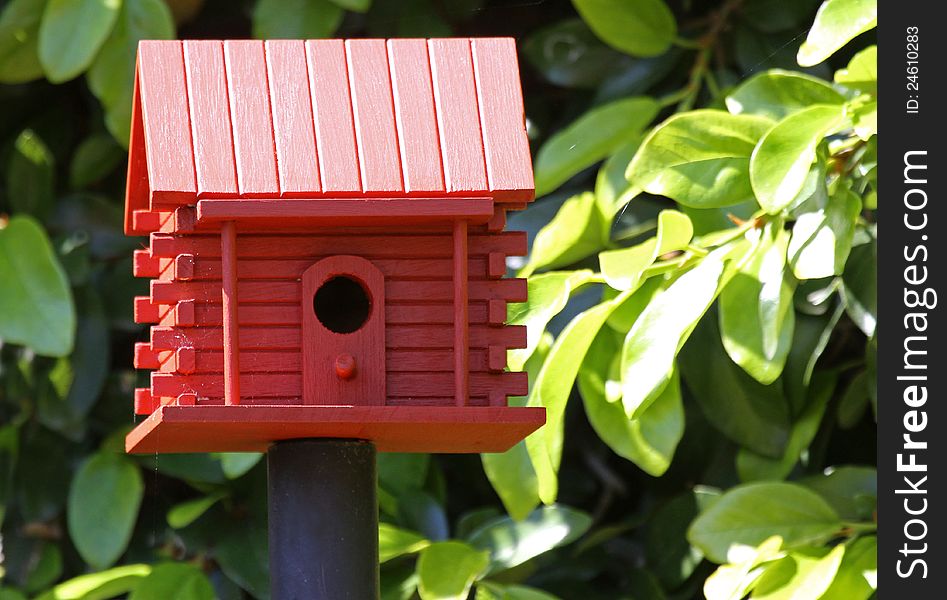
x=701 y=317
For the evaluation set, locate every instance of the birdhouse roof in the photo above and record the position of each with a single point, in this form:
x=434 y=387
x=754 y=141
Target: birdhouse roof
x=327 y=119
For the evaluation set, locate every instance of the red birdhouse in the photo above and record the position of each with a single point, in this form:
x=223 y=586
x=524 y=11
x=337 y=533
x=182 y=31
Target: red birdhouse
x=326 y=247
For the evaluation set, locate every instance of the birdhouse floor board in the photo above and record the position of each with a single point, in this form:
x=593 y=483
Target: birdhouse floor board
x=391 y=428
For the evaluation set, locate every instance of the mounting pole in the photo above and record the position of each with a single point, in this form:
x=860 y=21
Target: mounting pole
x=323 y=520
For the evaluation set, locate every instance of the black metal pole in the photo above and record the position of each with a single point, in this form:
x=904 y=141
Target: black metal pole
x=323 y=520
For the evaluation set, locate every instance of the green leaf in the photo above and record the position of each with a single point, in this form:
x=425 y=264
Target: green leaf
x=553 y=386
x=30 y=176
x=804 y=574
x=354 y=5
x=846 y=489
x=822 y=235
x=777 y=94
x=638 y=27
x=487 y=590
x=243 y=557
x=183 y=514
x=9 y=451
x=511 y=543
x=809 y=341
x=174 y=581
x=19 y=32
x=591 y=138
x=10 y=593
x=71 y=34
x=548 y=294
x=36 y=307
x=394 y=542
x=862 y=72
x=578 y=230
x=612 y=190
x=773 y=16
x=446 y=570
x=112 y=76
x=400 y=472
x=99 y=586
x=733 y=581
x=623 y=268
x=103 y=506
x=654 y=340
x=97 y=156
x=781 y=160
x=292 y=19
x=568 y=54
x=669 y=555
x=47 y=569
x=852 y=404
x=860 y=287
x=748 y=514
x=699 y=158
x=756 y=308
x=856 y=578
x=754 y=467
x=836 y=23
x=648 y=441
x=236 y=464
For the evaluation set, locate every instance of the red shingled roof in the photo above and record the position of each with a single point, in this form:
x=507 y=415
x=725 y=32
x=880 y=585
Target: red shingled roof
x=325 y=119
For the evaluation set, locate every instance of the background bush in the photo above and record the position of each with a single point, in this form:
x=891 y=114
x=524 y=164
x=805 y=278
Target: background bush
x=701 y=317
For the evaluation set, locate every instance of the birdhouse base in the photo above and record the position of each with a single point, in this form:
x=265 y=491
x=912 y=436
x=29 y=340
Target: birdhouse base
x=252 y=428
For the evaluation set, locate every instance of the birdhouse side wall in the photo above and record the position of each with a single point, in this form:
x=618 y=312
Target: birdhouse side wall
x=186 y=348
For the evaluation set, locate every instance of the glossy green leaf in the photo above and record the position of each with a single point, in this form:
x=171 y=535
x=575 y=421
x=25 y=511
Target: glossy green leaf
x=112 y=76
x=748 y=514
x=753 y=415
x=857 y=575
x=656 y=337
x=511 y=543
x=591 y=138
x=568 y=54
x=174 y=581
x=669 y=555
x=699 y=158
x=36 y=307
x=97 y=156
x=754 y=467
x=804 y=574
x=296 y=19
x=777 y=94
x=71 y=34
x=99 y=586
x=19 y=34
x=30 y=176
x=612 y=190
x=862 y=72
x=553 y=386
x=756 y=308
x=548 y=294
x=183 y=514
x=845 y=488
x=836 y=23
x=354 y=5
x=578 y=230
x=809 y=341
x=822 y=235
x=638 y=27
x=733 y=581
x=400 y=472
x=860 y=287
x=46 y=570
x=623 y=269
x=648 y=441
x=854 y=402
x=103 y=506
x=243 y=557
x=394 y=542
x=781 y=160
x=493 y=591
x=236 y=464
x=446 y=570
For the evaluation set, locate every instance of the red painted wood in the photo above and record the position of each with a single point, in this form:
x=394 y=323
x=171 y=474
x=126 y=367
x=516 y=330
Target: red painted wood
x=345 y=211
x=251 y=120
x=229 y=300
x=374 y=116
x=137 y=190
x=332 y=107
x=144 y=265
x=371 y=245
x=415 y=117
x=210 y=118
x=496 y=358
x=461 y=321
x=406 y=268
x=146 y=221
x=166 y=292
x=496 y=312
x=392 y=429
x=164 y=109
x=145 y=311
x=145 y=403
x=293 y=127
x=145 y=357
x=322 y=348
x=496 y=264
x=184 y=267
x=410 y=337
x=458 y=117
x=506 y=147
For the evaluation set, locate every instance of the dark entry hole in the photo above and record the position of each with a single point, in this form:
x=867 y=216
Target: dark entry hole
x=342 y=305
